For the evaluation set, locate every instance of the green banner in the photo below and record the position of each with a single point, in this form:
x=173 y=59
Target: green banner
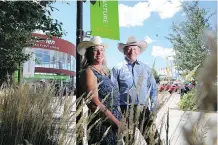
x=104 y=18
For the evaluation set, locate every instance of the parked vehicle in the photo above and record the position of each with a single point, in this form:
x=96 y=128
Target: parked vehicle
x=169 y=87
x=164 y=87
x=173 y=88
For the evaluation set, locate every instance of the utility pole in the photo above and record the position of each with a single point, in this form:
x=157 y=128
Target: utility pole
x=79 y=37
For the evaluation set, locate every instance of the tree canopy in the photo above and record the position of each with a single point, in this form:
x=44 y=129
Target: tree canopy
x=18 y=20
x=187 y=37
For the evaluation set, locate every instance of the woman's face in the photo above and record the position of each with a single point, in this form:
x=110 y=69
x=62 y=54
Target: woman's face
x=98 y=54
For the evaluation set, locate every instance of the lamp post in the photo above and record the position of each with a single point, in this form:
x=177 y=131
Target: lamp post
x=79 y=37
x=80 y=34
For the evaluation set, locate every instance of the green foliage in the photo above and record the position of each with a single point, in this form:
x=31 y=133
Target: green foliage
x=188 y=101
x=18 y=20
x=187 y=37
x=156 y=76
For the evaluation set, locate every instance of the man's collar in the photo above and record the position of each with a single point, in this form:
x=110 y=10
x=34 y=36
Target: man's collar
x=127 y=61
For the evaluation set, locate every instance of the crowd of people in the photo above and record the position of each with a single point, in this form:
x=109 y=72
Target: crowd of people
x=187 y=87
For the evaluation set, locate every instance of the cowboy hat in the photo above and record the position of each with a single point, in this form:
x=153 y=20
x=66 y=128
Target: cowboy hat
x=94 y=41
x=132 y=41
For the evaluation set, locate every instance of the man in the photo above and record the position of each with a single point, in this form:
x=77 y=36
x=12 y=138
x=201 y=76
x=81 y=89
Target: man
x=135 y=81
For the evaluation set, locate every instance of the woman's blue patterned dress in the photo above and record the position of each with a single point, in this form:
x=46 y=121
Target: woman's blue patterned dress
x=109 y=91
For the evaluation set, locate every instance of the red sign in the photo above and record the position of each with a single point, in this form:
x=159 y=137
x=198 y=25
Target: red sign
x=54 y=43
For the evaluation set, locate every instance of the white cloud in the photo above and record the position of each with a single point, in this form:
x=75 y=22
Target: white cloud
x=133 y=16
x=158 y=51
x=137 y=14
x=170 y=58
x=165 y=9
x=148 y=40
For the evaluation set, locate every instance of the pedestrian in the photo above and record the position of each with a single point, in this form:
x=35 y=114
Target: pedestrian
x=94 y=80
x=134 y=79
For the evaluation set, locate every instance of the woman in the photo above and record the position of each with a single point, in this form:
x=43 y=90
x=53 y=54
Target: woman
x=94 y=79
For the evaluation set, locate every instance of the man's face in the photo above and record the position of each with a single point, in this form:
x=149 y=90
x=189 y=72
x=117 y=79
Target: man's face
x=132 y=52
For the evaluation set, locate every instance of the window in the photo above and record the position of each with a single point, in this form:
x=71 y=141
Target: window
x=54 y=59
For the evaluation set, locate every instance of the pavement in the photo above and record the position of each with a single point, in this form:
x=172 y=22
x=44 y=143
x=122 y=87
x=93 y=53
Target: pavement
x=70 y=137
x=181 y=124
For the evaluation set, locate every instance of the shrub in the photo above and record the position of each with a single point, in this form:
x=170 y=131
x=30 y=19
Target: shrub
x=188 y=101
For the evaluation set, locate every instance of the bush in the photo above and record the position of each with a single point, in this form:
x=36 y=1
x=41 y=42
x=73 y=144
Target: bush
x=188 y=101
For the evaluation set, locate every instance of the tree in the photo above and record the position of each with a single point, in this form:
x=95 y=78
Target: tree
x=18 y=20
x=187 y=37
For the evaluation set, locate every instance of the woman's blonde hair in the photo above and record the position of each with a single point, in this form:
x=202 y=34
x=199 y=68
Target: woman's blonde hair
x=87 y=60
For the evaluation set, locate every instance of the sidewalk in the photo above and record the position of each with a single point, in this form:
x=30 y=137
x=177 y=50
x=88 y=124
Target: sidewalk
x=70 y=136
x=178 y=119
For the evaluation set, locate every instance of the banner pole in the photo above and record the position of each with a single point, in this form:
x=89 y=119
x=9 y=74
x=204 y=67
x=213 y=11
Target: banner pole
x=79 y=38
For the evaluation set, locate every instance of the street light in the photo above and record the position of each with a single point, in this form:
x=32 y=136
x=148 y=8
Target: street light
x=79 y=33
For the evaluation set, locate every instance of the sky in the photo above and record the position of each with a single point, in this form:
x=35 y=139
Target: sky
x=149 y=20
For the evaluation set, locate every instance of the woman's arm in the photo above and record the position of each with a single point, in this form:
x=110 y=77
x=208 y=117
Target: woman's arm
x=90 y=85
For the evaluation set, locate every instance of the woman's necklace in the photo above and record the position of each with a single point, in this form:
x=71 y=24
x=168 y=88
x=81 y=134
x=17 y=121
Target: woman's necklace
x=98 y=70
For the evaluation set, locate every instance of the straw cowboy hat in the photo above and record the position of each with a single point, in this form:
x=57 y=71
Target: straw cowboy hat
x=132 y=41
x=94 y=41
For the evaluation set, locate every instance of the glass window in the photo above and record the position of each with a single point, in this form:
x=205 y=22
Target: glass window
x=46 y=57
x=54 y=59
x=73 y=63
x=69 y=62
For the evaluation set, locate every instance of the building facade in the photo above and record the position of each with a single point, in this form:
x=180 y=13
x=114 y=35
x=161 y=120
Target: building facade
x=51 y=59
